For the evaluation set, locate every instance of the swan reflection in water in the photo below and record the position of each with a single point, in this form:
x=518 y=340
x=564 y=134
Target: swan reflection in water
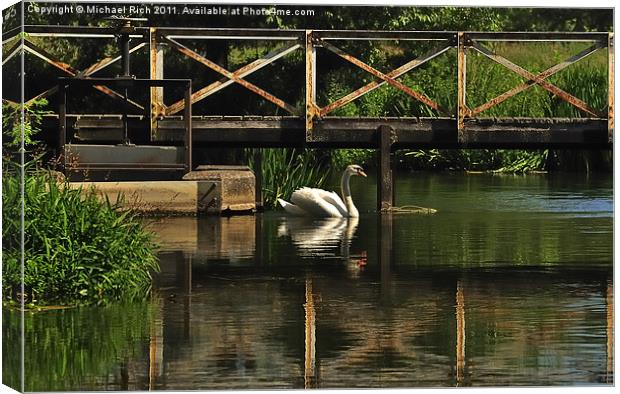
x=324 y=238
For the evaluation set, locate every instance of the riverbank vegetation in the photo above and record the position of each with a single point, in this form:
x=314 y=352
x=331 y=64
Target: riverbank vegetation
x=77 y=249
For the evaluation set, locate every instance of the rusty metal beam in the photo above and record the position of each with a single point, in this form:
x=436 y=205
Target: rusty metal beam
x=539 y=77
x=542 y=83
x=383 y=35
x=392 y=74
x=311 y=106
x=15 y=49
x=104 y=63
x=229 y=33
x=371 y=70
x=67 y=69
x=86 y=73
x=219 y=69
x=538 y=36
x=241 y=73
x=461 y=106
x=610 y=88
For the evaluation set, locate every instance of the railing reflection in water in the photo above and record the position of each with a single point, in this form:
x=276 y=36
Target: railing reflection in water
x=229 y=239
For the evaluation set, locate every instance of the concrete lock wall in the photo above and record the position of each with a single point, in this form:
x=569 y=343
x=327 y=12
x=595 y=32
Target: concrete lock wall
x=186 y=197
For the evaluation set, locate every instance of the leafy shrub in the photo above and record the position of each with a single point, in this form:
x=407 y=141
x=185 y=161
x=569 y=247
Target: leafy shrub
x=77 y=249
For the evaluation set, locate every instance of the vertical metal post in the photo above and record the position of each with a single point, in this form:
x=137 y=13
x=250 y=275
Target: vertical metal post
x=125 y=117
x=461 y=108
x=156 y=55
x=187 y=117
x=258 y=174
x=311 y=108
x=610 y=89
x=62 y=120
x=385 y=197
x=124 y=46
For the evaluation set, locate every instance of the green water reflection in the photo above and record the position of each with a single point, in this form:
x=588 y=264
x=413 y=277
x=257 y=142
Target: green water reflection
x=510 y=283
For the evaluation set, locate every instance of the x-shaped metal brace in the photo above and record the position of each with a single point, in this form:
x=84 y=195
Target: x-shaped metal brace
x=236 y=76
x=536 y=79
x=386 y=78
x=67 y=69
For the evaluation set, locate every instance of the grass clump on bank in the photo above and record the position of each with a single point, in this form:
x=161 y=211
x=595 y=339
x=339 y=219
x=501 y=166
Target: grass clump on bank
x=285 y=170
x=77 y=249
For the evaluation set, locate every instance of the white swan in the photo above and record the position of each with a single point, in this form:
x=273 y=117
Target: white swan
x=321 y=203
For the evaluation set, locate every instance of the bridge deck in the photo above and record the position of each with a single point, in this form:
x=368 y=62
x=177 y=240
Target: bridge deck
x=282 y=131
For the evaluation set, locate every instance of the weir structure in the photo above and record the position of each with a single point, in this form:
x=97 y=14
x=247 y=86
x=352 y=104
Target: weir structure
x=163 y=127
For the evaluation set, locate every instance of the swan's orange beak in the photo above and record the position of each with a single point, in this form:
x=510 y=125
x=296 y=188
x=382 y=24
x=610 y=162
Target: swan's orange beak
x=362 y=173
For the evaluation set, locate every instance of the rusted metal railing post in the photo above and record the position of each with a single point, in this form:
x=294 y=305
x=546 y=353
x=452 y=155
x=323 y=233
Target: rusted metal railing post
x=461 y=108
x=610 y=89
x=385 y=197
x=62 y=120
x=311 y=107
x=187 y=117
x=156 y=56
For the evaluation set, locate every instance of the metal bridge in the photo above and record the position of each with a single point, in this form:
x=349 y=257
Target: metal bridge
x=309 y=125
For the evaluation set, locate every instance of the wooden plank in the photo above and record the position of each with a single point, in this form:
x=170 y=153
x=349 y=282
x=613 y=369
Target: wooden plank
x=545 y=85
x=407 y=90
x=217 y=68
x=392 y=74
x=241 y=73
x=539 y=77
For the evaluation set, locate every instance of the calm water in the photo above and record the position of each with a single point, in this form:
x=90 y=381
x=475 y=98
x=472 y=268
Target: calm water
x=510 y=283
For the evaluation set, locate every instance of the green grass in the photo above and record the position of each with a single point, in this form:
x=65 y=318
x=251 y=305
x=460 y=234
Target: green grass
x=285 y=170
x=77 y=249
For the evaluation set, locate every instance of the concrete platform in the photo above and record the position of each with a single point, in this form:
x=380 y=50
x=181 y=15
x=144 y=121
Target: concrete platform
x=186 y=197
x=234 y=187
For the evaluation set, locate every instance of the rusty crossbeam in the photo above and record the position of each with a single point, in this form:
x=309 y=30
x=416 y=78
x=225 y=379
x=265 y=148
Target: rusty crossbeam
x=98 y=66
x=15 y=49
x=67 y=69
x=541 y=82
x=393 y=82
x=103 y=63
x=240 y=73
x=539 y=77
x=433 y=53
x=219 y=69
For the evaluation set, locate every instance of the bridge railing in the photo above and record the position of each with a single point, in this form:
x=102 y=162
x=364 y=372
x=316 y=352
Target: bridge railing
x=464 y=43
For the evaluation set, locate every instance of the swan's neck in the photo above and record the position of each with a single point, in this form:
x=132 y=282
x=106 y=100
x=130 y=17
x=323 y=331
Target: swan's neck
x=346 y=196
